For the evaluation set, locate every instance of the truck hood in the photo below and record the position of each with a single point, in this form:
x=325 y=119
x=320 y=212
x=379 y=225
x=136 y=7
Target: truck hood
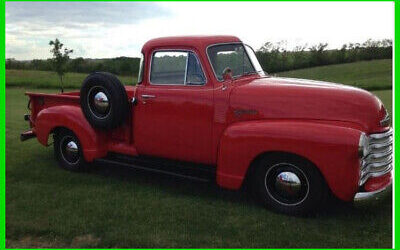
x=288 y=98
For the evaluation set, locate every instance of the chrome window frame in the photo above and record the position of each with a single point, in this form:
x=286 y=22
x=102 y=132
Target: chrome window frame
x=216 y=44
x=244 y=45
x=187 y=58
x=141 y=69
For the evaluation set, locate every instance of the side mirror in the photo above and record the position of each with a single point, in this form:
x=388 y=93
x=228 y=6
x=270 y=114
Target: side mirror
x=227 y=74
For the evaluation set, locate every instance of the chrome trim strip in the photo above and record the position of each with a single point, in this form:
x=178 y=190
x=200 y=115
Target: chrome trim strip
x=186 y=69
x=379 y=155
x=381 y=145
x=379 y=169
x=366 y=176
x=386 y=160
x=142 y=64
x=382 y=135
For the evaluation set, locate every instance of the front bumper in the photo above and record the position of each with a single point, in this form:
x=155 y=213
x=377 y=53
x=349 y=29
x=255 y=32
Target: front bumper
x=379 y=194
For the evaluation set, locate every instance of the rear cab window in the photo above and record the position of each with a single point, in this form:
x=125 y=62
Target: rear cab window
x=176 y=67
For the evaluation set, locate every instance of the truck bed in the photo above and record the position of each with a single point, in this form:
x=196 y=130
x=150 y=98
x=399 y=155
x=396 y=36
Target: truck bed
x=40 y=101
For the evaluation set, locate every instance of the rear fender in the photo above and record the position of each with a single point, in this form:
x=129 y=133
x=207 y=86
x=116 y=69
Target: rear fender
x=93 y=141
x=333 y=149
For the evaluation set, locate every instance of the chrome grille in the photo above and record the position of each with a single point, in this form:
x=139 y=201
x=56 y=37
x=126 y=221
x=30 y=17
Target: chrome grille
x=379 y=159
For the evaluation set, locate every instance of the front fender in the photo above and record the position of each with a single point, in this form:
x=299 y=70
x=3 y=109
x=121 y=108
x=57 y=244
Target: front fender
x=332 y=148
x=72 y=118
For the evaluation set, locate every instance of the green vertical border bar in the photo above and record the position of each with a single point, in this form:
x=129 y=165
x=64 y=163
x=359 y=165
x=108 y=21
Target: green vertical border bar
x=3 y=126
x=396 y=47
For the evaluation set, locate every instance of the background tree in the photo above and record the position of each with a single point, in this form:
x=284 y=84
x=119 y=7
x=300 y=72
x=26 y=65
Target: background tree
x=60 y=59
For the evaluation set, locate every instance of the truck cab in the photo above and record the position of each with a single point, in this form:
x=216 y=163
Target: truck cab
x=204 y=108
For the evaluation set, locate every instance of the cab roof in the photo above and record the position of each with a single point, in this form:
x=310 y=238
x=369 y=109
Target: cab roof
x=188 y=41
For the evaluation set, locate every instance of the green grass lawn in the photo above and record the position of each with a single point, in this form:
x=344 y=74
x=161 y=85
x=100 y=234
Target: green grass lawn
x=371 y=75
x=49 y=79
x=116 y=207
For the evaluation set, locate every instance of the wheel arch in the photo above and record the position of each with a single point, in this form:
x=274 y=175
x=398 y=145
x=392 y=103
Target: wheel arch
x=277 y=154
x=51 y=119
x=329 y=147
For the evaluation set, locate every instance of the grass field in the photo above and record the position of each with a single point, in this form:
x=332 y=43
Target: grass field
x=370 y=75
x=116 y=207
x=48 y=79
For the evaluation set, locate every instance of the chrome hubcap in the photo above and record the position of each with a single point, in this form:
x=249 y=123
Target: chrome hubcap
x=101 y=102
x=98 y=102
x=288 y=184
x=69 y=150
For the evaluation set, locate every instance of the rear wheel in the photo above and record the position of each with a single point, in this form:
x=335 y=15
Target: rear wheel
x=289 y=184
x=68 y=150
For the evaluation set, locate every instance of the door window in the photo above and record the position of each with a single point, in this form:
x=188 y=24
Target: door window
x=176 y=68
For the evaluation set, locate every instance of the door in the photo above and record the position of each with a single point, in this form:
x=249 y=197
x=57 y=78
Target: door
x=174 y=112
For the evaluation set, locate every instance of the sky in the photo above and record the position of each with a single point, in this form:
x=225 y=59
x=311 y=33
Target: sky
x=112 y=29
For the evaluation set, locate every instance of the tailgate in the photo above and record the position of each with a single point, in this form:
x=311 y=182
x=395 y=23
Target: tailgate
x=40 y=101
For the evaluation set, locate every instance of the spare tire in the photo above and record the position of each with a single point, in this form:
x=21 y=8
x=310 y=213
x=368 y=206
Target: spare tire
x=104 y=101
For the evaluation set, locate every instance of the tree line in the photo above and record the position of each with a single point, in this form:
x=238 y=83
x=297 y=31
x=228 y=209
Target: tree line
x=118 y=65
x=273 y=57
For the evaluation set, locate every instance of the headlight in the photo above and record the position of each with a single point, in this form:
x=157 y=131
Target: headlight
x=363 y=146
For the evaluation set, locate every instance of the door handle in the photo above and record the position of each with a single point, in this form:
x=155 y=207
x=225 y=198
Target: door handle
x=148 y=96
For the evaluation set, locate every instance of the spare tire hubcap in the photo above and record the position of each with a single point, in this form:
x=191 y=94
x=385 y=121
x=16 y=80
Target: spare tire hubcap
x=101 y=102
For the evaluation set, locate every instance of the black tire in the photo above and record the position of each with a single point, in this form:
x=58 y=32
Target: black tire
x=117 y=106
x=269 y=184
x=72 y=161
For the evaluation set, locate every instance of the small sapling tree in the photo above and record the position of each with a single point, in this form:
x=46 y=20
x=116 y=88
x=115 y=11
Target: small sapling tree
x=60 y=59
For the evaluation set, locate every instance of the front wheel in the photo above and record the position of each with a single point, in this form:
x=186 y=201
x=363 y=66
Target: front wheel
x=68 y=150
x=289 y=184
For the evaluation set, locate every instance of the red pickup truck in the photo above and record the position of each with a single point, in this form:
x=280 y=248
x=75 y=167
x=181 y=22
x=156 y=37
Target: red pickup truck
x=204 y=109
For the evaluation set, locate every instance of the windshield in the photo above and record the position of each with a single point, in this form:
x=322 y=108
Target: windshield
x=240 y=58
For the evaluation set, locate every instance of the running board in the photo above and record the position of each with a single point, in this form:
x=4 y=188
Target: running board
x=192 y=171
